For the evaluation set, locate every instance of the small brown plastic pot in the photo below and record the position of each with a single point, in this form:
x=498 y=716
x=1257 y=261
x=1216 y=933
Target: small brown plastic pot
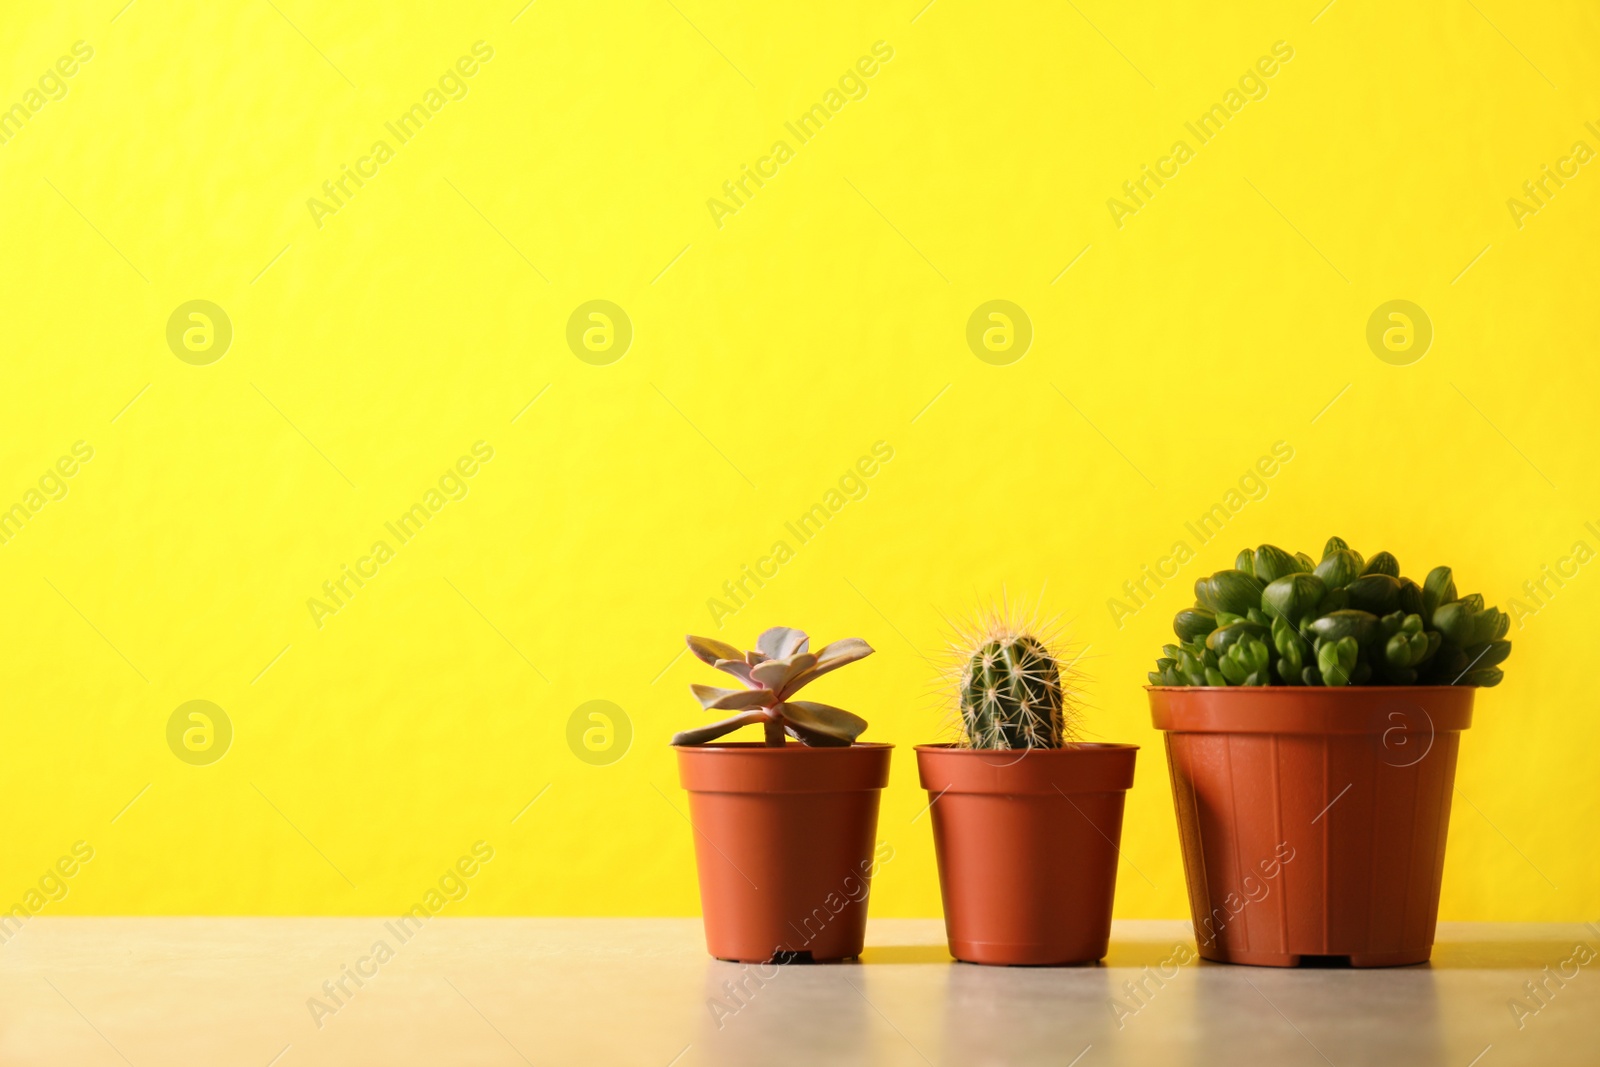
x=1027 y=842
x=783 y=840
x=1313 y=818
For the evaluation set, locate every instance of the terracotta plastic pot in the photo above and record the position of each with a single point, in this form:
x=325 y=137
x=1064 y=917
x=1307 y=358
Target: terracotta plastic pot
x=1027 y=842
x=1313 y=819
x=783 y=839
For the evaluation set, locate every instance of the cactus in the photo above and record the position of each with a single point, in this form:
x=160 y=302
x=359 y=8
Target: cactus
x=1276 y=617
x=771 y=673
x=1011 y=696
x=1011 y=690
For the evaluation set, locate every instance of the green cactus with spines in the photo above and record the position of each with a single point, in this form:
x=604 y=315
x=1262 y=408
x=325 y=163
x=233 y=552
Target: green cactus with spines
x=1342 y=620
x=1011 y=695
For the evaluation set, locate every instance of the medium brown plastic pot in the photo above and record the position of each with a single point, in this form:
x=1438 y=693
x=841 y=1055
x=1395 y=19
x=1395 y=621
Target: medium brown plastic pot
x=1027 y=843
x=783 y=840
x=1313 y=818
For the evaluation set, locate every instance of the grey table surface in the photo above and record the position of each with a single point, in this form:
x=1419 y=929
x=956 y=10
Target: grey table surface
x=282 y=992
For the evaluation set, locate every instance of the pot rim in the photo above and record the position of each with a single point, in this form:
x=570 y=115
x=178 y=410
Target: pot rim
x=789 y=746
x=1086 y=767
x=954 y=748
x=1383 y=711
x=753 y=767
x=1304 y=688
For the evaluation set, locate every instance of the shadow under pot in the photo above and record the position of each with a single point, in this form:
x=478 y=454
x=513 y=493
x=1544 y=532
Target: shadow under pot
x=784 y=845
x=1027 y=842
x=1313 y=819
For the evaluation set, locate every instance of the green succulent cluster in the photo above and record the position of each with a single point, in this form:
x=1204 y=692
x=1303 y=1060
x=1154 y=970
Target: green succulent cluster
x=1282 y=619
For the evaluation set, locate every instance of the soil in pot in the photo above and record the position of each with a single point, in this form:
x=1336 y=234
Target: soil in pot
x=1027 y=842
x=1313 y=819
x=784 y=846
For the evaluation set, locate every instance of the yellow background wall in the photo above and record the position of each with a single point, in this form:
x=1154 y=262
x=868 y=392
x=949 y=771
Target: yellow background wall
x=375 y=344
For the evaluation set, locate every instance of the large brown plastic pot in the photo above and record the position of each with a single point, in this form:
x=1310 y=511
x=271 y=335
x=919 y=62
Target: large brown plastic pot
x=1313 y=818
x=783 y=839
x=1027 y=844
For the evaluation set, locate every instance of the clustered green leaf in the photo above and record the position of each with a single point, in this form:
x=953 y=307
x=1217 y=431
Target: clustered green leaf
x=1282 y=619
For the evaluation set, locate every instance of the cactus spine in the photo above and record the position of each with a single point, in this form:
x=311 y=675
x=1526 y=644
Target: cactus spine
x=1011 y=696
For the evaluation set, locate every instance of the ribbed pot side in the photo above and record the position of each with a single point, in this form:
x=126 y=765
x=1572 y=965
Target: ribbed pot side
x=1313 y=819
x=783 y=841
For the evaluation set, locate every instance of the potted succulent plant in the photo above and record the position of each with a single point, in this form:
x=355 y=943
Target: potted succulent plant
x=1313 y=712
x=1026 y=819
x=783 y=832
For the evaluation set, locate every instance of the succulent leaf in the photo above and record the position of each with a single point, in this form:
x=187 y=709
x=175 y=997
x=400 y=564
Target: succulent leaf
x=1382 y=563
x=831 y=658
x=809 y=717
x=1336 y=660
x=1359 y=626
x=710 y=650
x=713 y=699
x=1292 y=597
x=1410 y=597
x=1272 y=563
x=1438 y=588
x=1194 y=622
x=1334 y=600
x=1488 y=655
x=1456 y=621
x=781 y=642
x=1377 y=593
x=1232 y=591
x=1339 y=569
x=701 y=734
x=738 y=668
x=1224 y=638
x=779 y=673
x=1490 y=625
x=1246 y=662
